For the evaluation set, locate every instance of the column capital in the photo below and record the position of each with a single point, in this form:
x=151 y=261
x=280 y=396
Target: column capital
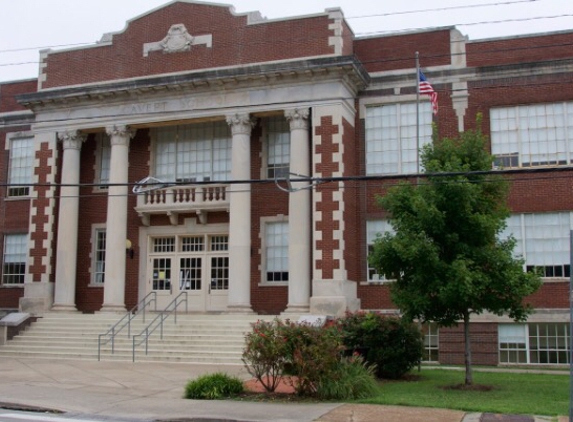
x=120 y=134
x=72 y=139
x=298 y=118
x=241 y=123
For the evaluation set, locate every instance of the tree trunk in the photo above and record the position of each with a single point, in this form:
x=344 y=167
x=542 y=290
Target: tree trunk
x=468 y=349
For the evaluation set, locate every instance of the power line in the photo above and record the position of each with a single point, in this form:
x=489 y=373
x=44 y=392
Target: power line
x=405 y=12
x=438 y=9
x=523 y=174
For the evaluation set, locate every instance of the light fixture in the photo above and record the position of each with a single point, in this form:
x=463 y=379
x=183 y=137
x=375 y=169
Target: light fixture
x=129 y=249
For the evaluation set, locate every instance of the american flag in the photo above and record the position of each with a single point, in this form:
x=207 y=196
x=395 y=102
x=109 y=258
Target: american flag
x=427 y=89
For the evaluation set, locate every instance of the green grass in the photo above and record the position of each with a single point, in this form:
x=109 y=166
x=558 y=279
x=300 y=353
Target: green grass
x=512 y=393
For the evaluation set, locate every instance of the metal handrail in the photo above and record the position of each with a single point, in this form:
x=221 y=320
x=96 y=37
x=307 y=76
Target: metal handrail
x=158 y=323
x=125 y=321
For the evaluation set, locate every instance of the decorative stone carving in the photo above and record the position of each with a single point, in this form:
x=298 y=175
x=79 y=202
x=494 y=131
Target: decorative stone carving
x=241 y=124
x=298 y=118
x=119 y=135
x=72 y=139
x=177 y=40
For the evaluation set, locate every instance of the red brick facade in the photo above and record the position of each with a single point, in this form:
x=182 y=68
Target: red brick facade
x=270 y=66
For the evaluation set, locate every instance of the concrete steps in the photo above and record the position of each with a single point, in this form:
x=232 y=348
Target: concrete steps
x=195 y=338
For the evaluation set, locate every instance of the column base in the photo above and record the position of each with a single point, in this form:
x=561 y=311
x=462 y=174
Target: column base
x=334 y=297
x=296 y=310
x=60 y=307
x=239 y=309
x=113 y=309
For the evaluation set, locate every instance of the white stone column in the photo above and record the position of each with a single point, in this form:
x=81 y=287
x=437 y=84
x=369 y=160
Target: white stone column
x=240 y=215
x=299 y=215
x=116 y=227
x=67 y=245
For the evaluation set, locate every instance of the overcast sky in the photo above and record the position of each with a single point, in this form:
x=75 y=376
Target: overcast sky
x=28 y=25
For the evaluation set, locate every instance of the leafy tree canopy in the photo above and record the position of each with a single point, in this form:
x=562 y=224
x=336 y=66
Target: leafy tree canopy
x=446 y=254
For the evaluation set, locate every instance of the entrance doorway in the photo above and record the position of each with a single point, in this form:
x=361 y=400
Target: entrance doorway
x=196 y=264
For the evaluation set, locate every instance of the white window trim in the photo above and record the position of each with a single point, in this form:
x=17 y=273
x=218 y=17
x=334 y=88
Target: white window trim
x=523 y=252
x=99 y=138
x=393 y=101
x=10 y=137
x=93 y=258
x=26 y=267
x=263 y=251
x=154 y=141
x=520 y=144
x=369 y=282
x=265 y=146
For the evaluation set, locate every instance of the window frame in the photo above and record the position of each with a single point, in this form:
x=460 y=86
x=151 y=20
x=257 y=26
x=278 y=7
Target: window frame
x=23 y=241
x=20 y=192
x=532 y=342
x=385 y=223
x=515 y=135
x=527 y=237
x=375 y=144
x=174 y=151
x=272 y=170
x=97 y=231
x=266 y=222
x=103 y=161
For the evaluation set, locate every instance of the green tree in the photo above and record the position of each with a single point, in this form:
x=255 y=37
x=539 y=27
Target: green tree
x=446 y=255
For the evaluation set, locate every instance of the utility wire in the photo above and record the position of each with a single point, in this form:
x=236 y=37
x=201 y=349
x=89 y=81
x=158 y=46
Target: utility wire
x=404 y=12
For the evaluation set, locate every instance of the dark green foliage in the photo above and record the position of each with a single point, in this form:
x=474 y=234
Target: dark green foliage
x=445 y=256
x=353 y=379
x=265 y=353
x=213 y=387
x=392 y=344
x=306 y=352
x=312 y=353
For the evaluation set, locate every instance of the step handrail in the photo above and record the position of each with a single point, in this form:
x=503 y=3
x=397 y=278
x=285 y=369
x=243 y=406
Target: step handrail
x=158 y=323
x=125 y=321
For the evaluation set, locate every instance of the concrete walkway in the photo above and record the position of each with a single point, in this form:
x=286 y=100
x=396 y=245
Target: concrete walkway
x=153 y=391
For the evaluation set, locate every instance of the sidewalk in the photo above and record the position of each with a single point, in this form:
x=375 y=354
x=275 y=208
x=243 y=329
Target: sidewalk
x=153 y=391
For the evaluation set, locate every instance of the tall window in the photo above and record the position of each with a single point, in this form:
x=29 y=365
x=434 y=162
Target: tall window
x=391 y=144
x=546 y=343
x=99 y=255
x=278 y=147
x=21 y=166
x=542 y=241
x=15 y=253
x=374 y=229
x=532 y=135
x=276 y=251
x=193 y=153
x=103 y=160
x=431 y=342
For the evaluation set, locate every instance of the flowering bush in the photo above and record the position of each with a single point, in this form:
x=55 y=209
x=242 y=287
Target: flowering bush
x=265 y=353
x=305 y=352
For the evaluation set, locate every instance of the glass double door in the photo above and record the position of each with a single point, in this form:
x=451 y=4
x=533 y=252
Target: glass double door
x=201 y=271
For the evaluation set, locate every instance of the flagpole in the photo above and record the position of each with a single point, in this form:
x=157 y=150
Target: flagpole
x=418 y=116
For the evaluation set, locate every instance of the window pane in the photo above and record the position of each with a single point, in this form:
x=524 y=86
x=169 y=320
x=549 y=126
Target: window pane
x=391 y=137
x=15 y=255
x=537 y=134
x=21 y=166
x=276 y=242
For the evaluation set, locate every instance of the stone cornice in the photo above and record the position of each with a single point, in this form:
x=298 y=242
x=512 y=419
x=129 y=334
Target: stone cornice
x=344 y=68
x=472 y=73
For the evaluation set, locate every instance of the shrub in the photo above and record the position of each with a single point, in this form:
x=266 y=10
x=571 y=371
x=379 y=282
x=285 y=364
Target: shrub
x=213 y=386
x=306 y=352
x=312 y=354
x=264 y=353
x=353 y=379
x=393 y=344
